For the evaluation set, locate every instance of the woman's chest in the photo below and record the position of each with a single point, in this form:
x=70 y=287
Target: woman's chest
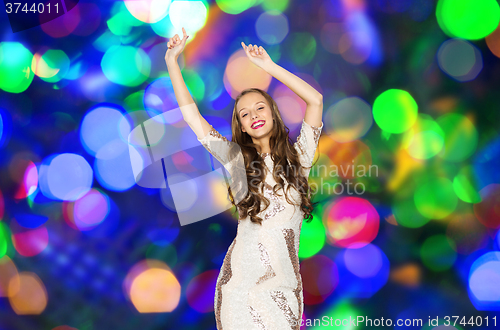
x=275 y=191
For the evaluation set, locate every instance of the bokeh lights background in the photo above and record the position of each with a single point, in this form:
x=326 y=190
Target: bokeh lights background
x=411 y=114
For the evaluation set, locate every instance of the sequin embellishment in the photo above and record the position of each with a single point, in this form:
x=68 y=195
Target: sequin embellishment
x=206 y=143
x=256 y=318
x=290 y=243
x=299 y=143
x=216 y=134
x=226 y=276
x=266 y=260
x=317 y=132
x=280 y=299
x=302 y=140
x=277 y=207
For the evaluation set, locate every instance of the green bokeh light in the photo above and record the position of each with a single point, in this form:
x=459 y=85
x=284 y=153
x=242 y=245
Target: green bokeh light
x=464 y=185
x=235 y=7
x=312 y=236
x=134 y=101
x=122 y=20
x=195 y=84
x=5 y=240
x=303 y=47
x=321 y=179
x=425 y=139
x=15 y=67
x=460 y=137
x=118 y=26
x=56 y=59
x=395 y=111
x=342 y=310
x=407 y=215
x=436 y=198
x=438 y=253
x=126 y=65
x=468 y=19
x=279 y=5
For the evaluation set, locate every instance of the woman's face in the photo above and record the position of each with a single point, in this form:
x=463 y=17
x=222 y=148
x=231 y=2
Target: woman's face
x=255 y=115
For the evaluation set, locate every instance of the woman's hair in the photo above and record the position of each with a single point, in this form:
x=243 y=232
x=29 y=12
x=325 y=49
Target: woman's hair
x=286 y=163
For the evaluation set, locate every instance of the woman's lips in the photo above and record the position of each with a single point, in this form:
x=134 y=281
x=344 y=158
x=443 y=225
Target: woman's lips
x=260 y=123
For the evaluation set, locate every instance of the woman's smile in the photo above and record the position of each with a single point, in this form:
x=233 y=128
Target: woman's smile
x=258 y=124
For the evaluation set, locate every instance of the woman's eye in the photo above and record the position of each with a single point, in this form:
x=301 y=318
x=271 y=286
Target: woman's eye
x=261 y=108
x=243 y=115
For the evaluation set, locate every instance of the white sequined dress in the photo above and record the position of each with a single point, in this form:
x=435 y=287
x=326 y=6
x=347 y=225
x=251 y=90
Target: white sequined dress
x=259 y=285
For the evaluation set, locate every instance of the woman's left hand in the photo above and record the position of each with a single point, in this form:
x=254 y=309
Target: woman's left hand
x=257 y=55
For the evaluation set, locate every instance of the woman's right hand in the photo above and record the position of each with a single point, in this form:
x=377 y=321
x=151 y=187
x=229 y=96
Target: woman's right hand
x=175 y=46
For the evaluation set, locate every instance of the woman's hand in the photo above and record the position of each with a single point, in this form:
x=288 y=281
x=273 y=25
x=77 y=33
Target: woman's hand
x=257 y=55
x=175 y=46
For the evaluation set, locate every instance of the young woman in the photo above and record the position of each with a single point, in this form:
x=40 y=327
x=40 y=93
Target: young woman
x=259 y=285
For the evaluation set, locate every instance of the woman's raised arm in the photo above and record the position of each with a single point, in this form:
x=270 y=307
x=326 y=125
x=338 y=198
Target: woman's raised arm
x=313 y=98
x=189 y=109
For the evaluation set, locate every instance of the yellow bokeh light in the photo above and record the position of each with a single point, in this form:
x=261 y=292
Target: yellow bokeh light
x=424 y=139
x=405 y=165
x=41 y=68
x=155 y=291
x=221 y=195
x=241 y=73
x=29 y=296
x=8 y=274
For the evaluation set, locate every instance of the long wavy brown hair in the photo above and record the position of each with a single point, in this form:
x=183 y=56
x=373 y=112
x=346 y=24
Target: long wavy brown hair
x=286 y=162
